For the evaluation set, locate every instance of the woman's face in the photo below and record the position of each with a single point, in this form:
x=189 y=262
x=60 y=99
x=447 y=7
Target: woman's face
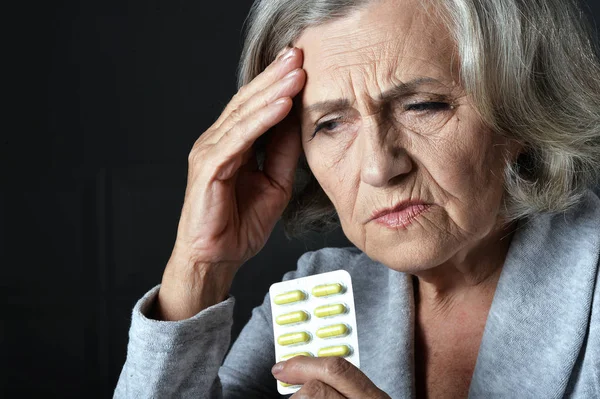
x=392 y=124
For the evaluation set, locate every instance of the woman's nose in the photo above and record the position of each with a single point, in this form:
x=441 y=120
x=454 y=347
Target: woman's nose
x=382 y=158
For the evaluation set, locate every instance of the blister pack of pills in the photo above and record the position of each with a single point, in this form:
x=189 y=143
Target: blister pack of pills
x=314 y=316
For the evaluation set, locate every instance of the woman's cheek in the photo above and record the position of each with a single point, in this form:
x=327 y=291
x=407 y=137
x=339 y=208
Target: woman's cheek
x=327 y=155
x=474 y=193
x=332 y=169
x=456 y=156
x=333 y=180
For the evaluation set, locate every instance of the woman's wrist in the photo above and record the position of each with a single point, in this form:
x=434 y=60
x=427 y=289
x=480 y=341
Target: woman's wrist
x=190 y=287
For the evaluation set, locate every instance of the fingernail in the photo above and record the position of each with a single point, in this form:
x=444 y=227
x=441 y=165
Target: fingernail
x=289 y=54
x=278 y=368
x=292 y=74
x=279 y=102
x=282 y=52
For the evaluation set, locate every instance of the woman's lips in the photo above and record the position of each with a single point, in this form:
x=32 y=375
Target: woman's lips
x=402 y=217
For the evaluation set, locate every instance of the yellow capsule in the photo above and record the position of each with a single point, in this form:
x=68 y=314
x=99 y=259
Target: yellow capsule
x=327 y=289
x=330 y=310
x=335 y=330
x=339 y=350
x=291 y=318
x=289 y=297
x=291 y=355
x=286 y=385
x=293 y=338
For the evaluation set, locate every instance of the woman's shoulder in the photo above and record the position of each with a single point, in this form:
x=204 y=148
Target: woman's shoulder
x=331 y=259
x=588 y=209
x=580 y=225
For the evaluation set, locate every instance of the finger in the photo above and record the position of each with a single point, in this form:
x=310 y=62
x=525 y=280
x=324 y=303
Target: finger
x=282 y=153
x=316 y=389
x=275 y=71
x=336 y=372
x=240 y=139
x=289 y=86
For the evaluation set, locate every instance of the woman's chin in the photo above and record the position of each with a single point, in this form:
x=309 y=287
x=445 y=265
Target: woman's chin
x=408 y=262
x=409 y=252
x=421 y=244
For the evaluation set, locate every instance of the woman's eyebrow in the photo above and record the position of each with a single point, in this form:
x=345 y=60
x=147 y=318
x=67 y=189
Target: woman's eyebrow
x=327 y=106
x=395 y=92
x=406 y=88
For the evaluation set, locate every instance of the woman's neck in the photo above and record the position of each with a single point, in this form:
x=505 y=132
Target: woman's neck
x=470 y=277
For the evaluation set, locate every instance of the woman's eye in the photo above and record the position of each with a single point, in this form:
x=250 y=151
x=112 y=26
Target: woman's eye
x=425 y=117
x=428 y=106
x=326 y=126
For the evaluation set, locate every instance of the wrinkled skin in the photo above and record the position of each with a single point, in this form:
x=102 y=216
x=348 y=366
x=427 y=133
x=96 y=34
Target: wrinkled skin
x=385 y=119
x=381 y=152
x=379 y=147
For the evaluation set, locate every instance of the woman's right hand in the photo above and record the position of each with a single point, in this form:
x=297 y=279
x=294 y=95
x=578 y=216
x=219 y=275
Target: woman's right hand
x=231 y=206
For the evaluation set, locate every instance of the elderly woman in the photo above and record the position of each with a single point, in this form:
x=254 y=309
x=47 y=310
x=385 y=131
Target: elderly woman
x=456 y=143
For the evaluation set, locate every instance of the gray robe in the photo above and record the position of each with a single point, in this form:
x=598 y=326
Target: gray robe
x=541 y=339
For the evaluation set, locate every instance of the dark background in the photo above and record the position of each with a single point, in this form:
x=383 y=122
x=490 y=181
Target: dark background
x=105 y=100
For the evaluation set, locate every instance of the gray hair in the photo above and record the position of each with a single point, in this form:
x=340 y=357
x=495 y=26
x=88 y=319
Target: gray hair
x=531 y=67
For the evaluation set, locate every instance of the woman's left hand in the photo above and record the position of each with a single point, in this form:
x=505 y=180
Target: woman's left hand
x=326 y=378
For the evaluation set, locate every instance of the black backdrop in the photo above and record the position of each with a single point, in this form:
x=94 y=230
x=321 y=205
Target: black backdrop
x=108 y=98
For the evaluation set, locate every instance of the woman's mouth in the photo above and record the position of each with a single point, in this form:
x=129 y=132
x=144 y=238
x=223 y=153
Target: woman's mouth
x=401 y=216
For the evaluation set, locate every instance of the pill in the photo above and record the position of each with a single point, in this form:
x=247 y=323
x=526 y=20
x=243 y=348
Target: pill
x=291 y=355
x=293 y=338
x=339 y=350
x=290 y=297
x=330 y=310
x=327 y=289
x=291 y=318
x=335 y=330
x=285 y=384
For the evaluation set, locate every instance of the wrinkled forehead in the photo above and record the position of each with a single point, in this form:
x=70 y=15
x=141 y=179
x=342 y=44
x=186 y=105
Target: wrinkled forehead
x=372 y=49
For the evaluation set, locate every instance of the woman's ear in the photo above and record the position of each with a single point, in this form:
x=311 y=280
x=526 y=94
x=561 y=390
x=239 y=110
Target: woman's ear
x=523 y=158
x=515 y=150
